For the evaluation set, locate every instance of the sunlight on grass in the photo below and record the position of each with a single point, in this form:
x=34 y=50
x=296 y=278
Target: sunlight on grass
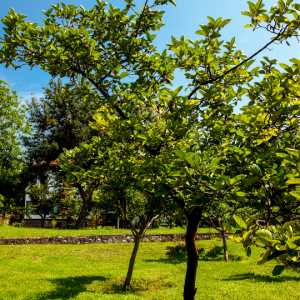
x=97 y=272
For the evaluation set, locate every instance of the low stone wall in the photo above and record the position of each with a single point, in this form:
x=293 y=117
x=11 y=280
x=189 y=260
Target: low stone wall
x=103 y=239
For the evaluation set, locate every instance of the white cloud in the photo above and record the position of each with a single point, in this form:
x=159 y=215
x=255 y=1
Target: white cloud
x=28 y=95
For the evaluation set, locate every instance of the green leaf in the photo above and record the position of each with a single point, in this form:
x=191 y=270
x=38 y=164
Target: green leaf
x=287 y=68
x=123 y=74
x=293 y=181
x=214 y=162
x=236 y=179
x=278 y=270
x=265 y=234
x=264 y=257
x=295 y=240
x=251 y=180
x=247 y=235
x=295 y=61
x=293 y=151
x=241 y=194
x=289 y=223
x=190 y=161
x=240 y=222
x=175 y=173
x=161 y=192
x=180 y=154
x=295 y=194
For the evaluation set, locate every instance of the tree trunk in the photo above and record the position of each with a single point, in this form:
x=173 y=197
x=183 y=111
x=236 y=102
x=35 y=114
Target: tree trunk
x=118 y=223
x=82 y=216
x=4 y=211
x=86 y=207
x=137 y=241
x=192 y=264
x=171 y=223
x=43 y=221
x=225 y=246
x=3 y=215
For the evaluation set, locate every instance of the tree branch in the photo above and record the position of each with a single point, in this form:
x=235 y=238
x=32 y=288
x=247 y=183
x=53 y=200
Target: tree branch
x=234 y=68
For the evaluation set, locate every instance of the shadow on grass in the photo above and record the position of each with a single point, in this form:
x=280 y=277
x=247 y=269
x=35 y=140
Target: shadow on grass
x=261 y=278
x=70 y=287
x=217 y=254
x=177 y=254
x=137 y=285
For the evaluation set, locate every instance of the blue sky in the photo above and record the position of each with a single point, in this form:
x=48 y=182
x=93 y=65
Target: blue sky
x=184 y=19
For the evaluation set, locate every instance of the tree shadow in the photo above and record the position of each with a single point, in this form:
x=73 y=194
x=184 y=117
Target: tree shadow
x=217 y=254
x=137 y=285
x=261 y=278
x=70 y=287
x=177 y=254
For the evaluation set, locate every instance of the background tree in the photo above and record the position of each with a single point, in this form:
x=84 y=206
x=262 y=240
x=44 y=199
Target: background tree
x=69 y=204
x=43 y=199
x=60 y=121
x=13 y=126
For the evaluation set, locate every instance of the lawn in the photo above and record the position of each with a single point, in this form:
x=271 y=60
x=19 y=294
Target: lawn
x=10 y=231
x=97 y=272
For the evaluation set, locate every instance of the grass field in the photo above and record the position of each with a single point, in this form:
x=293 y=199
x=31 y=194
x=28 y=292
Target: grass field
x=97 y=272
x=10 y=231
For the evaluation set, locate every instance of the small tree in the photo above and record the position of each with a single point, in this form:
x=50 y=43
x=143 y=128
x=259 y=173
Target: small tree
x=43 y=199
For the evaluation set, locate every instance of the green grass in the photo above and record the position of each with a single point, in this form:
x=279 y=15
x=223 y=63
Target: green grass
x=97 y=272
x=14 y=232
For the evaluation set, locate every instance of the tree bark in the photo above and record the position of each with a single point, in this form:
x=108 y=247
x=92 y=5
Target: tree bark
x=3 y=215
x=4 y=211
x=225 y=246
x=192 y=264
x=118 y=223
x=43 y=221
x=137 y=241
x=82 y=216
x=86 y=207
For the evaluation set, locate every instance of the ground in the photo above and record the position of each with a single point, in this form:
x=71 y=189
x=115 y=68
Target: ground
x=97 y=272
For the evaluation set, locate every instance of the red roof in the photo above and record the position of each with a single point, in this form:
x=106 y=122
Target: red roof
x=53 y=163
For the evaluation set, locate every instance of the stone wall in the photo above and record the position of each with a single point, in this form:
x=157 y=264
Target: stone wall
x=103 y=239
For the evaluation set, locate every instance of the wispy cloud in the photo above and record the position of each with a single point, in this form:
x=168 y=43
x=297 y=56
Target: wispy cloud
x=31 y=86
x=29 y=95
x=5 y=78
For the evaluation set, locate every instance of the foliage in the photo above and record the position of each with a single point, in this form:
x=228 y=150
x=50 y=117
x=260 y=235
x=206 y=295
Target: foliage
x=13 y=182
x=60 y=120
x=43 y=199
x=281 y=243
x=68 y=206
x=1 y=200
x=13 y=126
x=53 y=223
